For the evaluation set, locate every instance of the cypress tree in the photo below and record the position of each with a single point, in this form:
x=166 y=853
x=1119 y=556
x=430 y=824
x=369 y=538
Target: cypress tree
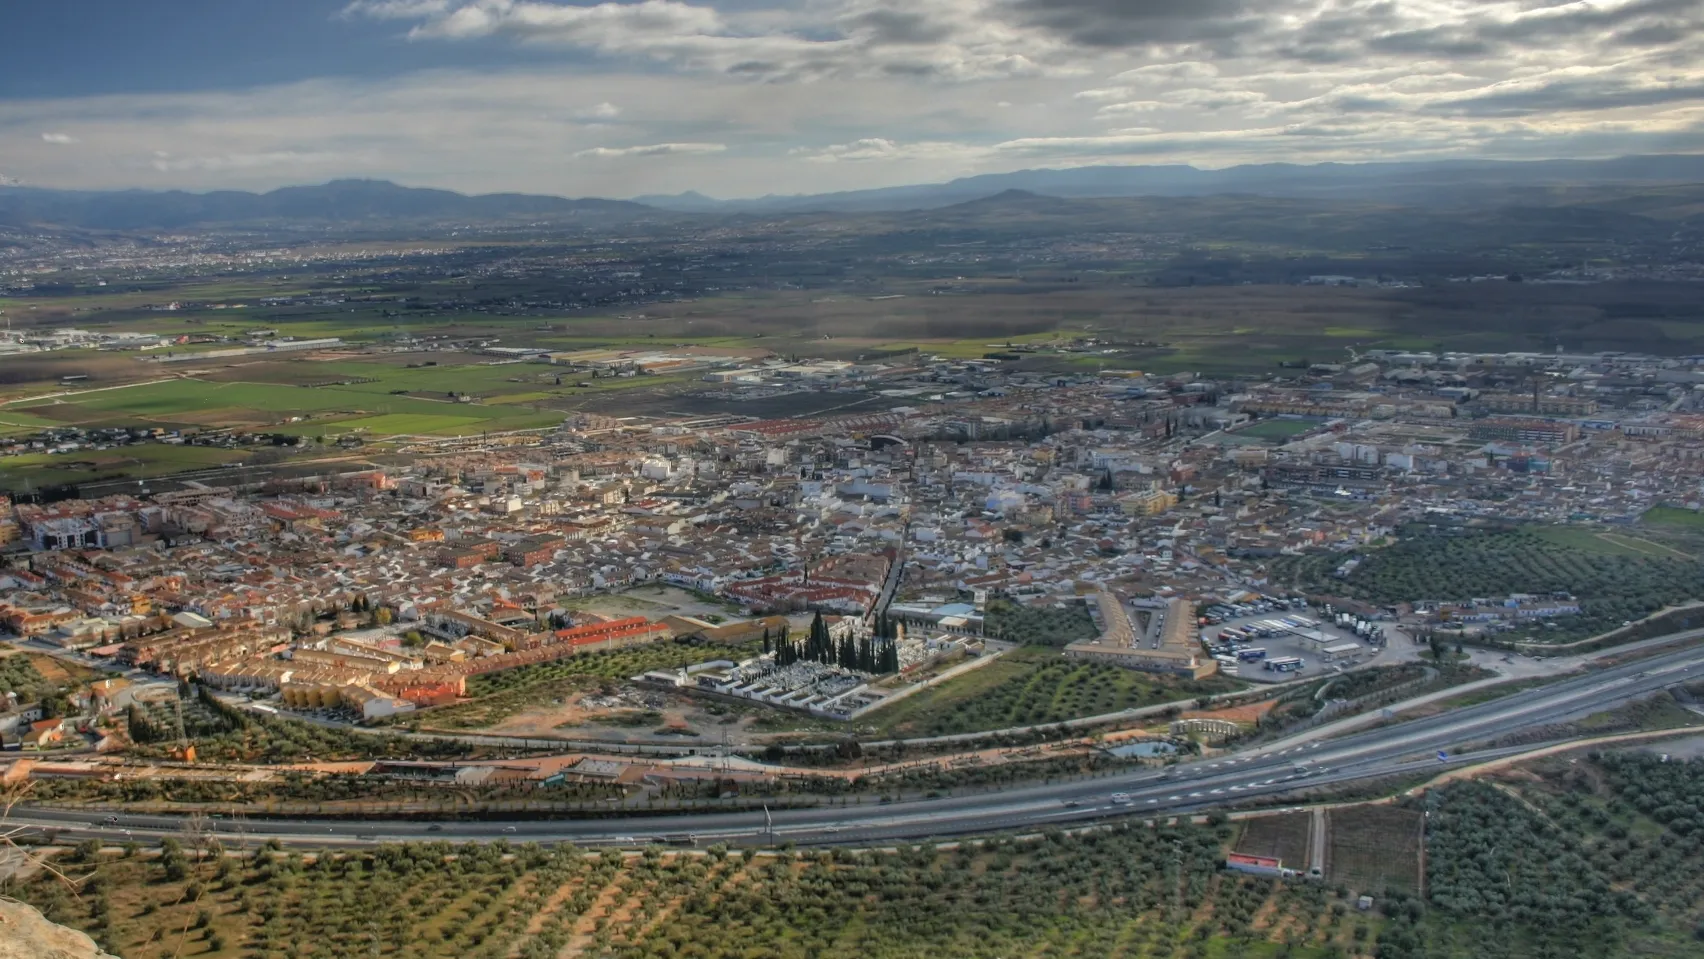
x=818 y=638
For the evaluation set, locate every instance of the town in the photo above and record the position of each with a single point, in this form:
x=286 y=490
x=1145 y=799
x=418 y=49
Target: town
x=834 y=565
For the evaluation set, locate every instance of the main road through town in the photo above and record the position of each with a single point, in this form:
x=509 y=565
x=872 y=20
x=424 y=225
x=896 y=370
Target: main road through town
x=1417 y=746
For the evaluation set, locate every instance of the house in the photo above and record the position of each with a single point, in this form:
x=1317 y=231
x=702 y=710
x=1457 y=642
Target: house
x=44 y=733
x=373 y=704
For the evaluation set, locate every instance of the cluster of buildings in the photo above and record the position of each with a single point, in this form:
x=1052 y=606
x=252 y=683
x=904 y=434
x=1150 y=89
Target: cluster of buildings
x=382 y=590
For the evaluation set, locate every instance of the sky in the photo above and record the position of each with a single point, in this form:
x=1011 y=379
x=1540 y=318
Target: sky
x=738 y=98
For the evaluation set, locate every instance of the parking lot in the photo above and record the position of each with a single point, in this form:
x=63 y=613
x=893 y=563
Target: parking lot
x=1308 y=644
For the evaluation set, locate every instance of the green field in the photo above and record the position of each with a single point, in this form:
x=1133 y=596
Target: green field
x=269 y=407
x=40 y=470
x=1605 y=542
x=1674 y=516
x=15 y=423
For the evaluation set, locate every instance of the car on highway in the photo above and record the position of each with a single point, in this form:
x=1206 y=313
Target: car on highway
x=1073 y=803
x=508 y=828
x=1121 y=799
x=435 y=827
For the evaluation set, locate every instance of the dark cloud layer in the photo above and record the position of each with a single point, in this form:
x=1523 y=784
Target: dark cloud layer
x=1573 y=95
x=1140 y=23
x=1339 y=31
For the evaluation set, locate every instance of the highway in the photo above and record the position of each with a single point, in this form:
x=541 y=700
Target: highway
x=1404 y=748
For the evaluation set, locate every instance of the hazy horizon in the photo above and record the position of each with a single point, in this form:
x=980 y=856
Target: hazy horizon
x=742 y=98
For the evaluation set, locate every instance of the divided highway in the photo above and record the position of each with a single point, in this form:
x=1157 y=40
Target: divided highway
x=1397 y=749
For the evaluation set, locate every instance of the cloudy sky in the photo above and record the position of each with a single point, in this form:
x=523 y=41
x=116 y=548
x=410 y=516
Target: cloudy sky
x=748 y=97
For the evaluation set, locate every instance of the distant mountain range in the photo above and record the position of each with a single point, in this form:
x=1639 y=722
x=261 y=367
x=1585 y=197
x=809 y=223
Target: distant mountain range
x=341 y=201
x=1443 y=181
x=1458 y=184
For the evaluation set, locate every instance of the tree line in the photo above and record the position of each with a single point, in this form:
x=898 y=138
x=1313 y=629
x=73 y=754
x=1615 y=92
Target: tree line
x=875 y=655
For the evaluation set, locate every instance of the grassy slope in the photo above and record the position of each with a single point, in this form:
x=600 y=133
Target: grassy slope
x=1032 y=686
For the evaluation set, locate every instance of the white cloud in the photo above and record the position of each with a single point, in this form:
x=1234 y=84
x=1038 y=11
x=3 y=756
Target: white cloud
x=1183 y=70
x=881 y=148
x=1104 y=94
x=397 y=9
x=59 y=138
x=653 y=150
x=601 y=111
x=614 y=26
x=1130 y=108
x=166 y=163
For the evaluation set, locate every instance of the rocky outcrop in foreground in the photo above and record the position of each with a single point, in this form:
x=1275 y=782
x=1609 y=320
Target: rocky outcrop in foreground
x=26 y=934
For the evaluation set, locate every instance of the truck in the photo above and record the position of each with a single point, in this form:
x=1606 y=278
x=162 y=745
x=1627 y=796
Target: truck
x=1286 y=664
x=1251 y=654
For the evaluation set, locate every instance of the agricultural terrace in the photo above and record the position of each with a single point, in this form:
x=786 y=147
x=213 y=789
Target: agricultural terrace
x=1599 y=857
x=223 y=733
x=1616 y=578
x=1034 y=686
x=1039 y=625
x=1374 y=847
x=20 y=674
x=1134 y=892
x=495 y=698
x=1283 y=837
